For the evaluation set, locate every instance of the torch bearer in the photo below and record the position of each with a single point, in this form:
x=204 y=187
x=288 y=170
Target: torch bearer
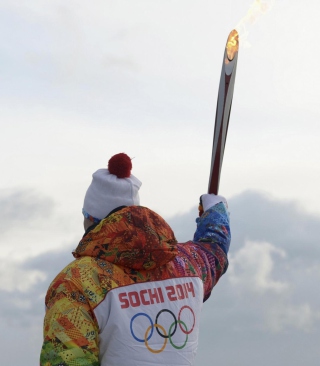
x=225 y=94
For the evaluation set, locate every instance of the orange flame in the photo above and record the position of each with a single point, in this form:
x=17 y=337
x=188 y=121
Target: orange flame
x=232 y=44
x=256 y=10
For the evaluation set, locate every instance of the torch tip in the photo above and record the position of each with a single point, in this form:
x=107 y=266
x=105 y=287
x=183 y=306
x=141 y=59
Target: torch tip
x=232 y=44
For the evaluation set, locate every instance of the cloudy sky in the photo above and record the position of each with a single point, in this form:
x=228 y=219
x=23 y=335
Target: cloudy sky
x=82 y=81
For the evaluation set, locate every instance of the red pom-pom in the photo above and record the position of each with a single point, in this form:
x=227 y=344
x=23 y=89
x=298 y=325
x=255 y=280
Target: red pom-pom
x=120 y=165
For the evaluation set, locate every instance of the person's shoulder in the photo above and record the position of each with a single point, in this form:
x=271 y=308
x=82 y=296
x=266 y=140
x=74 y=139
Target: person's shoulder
x=78 y=278
x=78 y=269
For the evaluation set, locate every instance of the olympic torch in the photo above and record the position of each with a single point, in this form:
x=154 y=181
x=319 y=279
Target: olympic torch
x=225 y=94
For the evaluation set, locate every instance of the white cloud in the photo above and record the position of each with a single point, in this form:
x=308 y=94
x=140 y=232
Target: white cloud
x=301 y=317
x=27 y=217
x=14 y=279
x=251 y=268
x=23 y=205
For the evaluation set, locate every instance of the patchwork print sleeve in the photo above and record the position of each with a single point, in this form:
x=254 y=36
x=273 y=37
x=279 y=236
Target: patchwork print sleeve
x=70 y=329
x=213 y=226
x=206 y=255
x=213 y=236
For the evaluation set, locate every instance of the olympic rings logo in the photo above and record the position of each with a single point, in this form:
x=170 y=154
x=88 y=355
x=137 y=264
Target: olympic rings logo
x=162 y=331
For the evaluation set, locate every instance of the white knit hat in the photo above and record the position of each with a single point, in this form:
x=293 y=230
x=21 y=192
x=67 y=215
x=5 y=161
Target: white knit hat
x=111 y=188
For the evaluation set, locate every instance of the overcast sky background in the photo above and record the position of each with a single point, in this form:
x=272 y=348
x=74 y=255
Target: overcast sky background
x=82 y=81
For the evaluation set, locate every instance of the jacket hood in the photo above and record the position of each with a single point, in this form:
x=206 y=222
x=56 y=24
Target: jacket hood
x=134 y=237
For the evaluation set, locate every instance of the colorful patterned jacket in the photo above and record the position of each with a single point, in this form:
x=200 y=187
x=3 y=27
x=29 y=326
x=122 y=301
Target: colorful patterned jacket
x=133 y=295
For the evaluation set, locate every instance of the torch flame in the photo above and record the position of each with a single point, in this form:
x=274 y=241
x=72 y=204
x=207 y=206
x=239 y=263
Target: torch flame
x=257 y=9
x=232 y=44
